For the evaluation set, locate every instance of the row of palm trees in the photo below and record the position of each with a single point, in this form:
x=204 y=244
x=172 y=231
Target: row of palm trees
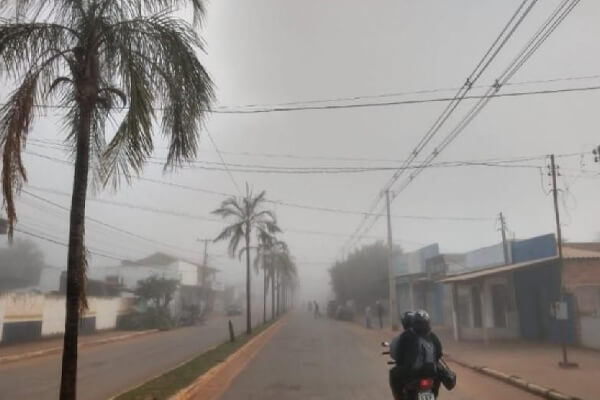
x=247 y=216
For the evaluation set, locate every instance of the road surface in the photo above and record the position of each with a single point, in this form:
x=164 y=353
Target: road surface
x=322 y=359
x=109 y=369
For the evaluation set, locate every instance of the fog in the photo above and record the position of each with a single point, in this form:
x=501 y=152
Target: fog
x=270 y=52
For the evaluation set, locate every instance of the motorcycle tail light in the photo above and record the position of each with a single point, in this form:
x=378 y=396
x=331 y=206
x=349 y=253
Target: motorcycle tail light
x=425 y=384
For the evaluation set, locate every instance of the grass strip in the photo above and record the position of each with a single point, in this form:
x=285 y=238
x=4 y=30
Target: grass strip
x=166 y=385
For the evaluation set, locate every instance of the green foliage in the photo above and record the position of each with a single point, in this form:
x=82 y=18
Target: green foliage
x=246 y=214
x=156 y=291
x=363 y=277
x=152 y=318
x=96 y=57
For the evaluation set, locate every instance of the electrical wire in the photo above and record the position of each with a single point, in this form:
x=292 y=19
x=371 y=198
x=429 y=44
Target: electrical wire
x=109 y=226
x=560 y=13
x=483 y=64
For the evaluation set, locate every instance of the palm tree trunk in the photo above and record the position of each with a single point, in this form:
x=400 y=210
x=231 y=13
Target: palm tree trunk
x=76 y=257
x=272 y=291
x=278 y=292
x=248 y=301
x=265 y=286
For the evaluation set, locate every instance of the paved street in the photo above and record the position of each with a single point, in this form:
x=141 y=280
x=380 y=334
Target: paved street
x=325 y=359
x=109 y=369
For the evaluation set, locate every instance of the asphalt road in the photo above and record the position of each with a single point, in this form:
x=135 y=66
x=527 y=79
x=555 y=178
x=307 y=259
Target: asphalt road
x=321 y=359
x=109 y=369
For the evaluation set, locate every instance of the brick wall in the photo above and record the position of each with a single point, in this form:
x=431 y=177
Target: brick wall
x=581 y=272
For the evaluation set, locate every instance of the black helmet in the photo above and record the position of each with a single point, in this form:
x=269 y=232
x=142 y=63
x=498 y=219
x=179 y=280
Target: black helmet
x=407 y=319
x=421 y=322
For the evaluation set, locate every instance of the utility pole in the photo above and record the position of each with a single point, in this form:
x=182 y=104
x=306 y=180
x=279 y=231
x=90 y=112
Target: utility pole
x=504 y=242
x=391 y=274
x=203 y=272
x=563 y=322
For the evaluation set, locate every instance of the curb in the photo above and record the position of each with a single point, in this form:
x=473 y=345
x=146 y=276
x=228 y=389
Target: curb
x=208 y=385
x=516 y=381
x=58 y=349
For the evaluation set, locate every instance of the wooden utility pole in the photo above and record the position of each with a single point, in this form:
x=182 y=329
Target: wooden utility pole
x=563 y=322
x=504 y=242
x=391 y=274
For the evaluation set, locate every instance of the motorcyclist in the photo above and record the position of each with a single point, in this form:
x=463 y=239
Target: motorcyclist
x=399 y=342
x=405 y=352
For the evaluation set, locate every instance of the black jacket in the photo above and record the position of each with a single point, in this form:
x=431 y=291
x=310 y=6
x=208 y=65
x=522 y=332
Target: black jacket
x=404 y=352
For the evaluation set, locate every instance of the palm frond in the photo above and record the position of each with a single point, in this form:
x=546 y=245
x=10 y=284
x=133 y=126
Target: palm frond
x=15 y=121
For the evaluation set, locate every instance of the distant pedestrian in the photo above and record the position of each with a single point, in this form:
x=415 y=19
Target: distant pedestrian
x=368 y=317
x=380 y=314
x=317 y=315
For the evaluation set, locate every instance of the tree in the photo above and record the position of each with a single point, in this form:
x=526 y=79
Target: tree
x=21 y=265
x=287 y=276
x=245 y=215
x=85 y=56
x=158 y=291
x=363 y=277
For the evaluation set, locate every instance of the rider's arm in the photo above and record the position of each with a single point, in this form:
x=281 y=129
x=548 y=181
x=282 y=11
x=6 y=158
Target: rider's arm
x=437 y=344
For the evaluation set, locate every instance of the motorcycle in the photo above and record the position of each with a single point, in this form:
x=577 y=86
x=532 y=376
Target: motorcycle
x=417 y=389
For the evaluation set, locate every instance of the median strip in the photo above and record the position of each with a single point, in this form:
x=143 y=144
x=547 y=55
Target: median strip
x=208 y=375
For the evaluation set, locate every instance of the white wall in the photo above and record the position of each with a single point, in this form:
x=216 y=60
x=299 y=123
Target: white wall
x=51 y=311
x=590 y=332
x=188 y=273
x=53 y=319
x=107 y=310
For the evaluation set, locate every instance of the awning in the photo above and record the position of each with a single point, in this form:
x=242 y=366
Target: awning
x=467 y=276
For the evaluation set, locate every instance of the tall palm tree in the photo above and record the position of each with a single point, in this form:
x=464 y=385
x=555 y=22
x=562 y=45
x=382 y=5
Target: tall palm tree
x=85 y=56
x=287 y=276
x=246 y=214
x=268 y=255
x=278 y=255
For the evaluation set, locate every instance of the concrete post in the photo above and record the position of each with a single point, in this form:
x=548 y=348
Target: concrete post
x=455 y=317
x=484 y=314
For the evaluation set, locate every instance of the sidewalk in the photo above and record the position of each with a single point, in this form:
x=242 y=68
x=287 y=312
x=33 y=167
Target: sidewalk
x=13 y=352
x=536 y=363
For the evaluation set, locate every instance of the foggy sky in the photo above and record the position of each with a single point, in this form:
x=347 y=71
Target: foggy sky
x=270 y=51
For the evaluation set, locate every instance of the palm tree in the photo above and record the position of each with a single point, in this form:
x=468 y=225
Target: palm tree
x=84 y=56
x=246 y=214
x=279 y=254
x=268 y=254
x=287 y=277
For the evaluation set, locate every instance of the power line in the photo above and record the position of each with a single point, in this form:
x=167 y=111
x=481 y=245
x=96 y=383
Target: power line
x=405 y=93
x=208 y=219
x=561 y=12
x=51 y=240
x=109 y=226
x=224 y=163
x=460 y=95
x=264 y=169
x=390 y=103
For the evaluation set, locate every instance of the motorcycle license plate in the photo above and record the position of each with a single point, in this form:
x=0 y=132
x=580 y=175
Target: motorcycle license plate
x=426 y=396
